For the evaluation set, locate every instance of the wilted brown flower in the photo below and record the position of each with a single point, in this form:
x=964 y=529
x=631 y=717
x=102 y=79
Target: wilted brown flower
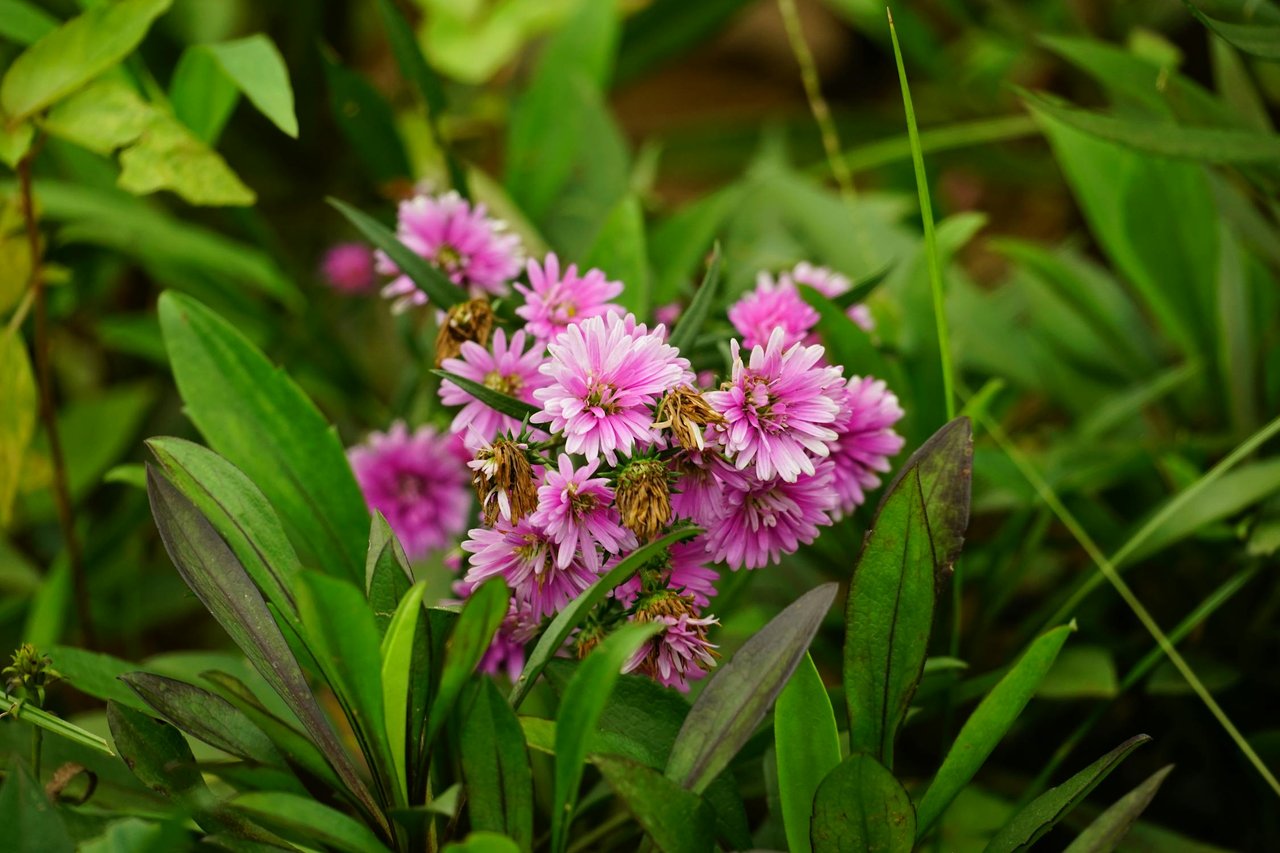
x=503 y=480
x=467 y=321
x=685 y=412
x=643 y=497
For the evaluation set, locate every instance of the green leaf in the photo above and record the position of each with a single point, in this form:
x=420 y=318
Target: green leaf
x=860 y=806
x=692 y=319
x=202 y=96
x=135 y=835
x=256 y=417
x=17 y=418
x=988 y=724
x=102 y=117
x=31 y=823
x=496 y=400
x=23 y=23
x=387 y=575
x=211 y=570
x=807 y=746
x=483 y=842
x=303 y=817
x=1043 y=813
x=553 y=638
x=75 y=53
x=482 y=615
x=203 y=715
x=741 y=692
x=1106 y=833
x=255 y=66
x=1081 y=672
x=15 y=141
x=677 y=820
x=158 y=755
x=584 y=700
x=495 y=765
x=426 y=277
x=665 y=29
x=1258 y=39
x=397 y=650
x=167 y=156
x=368 y=123
x=28 y=713
x=96 y=674
x=619 y=250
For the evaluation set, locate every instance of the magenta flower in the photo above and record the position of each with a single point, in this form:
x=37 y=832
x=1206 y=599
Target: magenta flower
x=524 y=557
x=832 y=284
x=773 y=305
x=419 y=484
x=779 y=409
x=577 y=511
x=761 y=521
x=504 y=368
x=606 y=374
x=474 y=250
x=866 y=440
x=554 y=302
x=697 y=491
x=348 y=268
x=687 y=574
x=679 y=654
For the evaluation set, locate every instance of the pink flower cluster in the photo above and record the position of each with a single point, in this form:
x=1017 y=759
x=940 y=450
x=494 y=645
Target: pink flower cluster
x=625 y=444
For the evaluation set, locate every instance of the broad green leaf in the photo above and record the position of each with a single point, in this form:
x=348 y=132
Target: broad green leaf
x=340 y=631
x=17 y=417
x=1081 y=672
x=304 y=817
x=677 y=820
x=22 y=22
x=158 y=755
x=203 y=715
x=397 y=649
x=167 y=156
x=31 y=823
x=135 y=835
x=75 y=53
x=583 y=701
x=1259 y=39
x=495 y=765
x=481 y=616
x=50 y=606
x=860 y=806
x=944 y=465
x=483 y=842
x=255 y=66
x=426 y=277
x=368 y=123
x=808 y=748
x=553 y=638
x=96 y=674
x=692 y=318
x=202 y=95
x=260 y=421
x=1043 y=813
x=988 y=724
x=102 y=117
x=496 y=400
x=619 y=250
x=211 y=570
x=1110 y=828
x=387 y=575
x=742 y=691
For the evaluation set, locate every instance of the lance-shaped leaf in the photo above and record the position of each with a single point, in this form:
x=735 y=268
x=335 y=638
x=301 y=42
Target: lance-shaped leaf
x=742 y=691
x=1260 y=38
x=398 y=673
x=1110 y=828
x=482 y=615
x=387 y=576
x=944 y=464
x=988 y=724
x=303 y=817
x=808 y=748
x=496 y=400
x=691 y=321
x=860 y=806
x=1043 y=813
x=158 y=755
x=553 y=638
x=204 y=715
x=677 y=820
x=495 y=765
x=442 y=292
x=214 y=574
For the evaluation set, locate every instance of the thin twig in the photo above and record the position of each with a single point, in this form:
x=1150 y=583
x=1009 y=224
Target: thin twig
x=48 y=414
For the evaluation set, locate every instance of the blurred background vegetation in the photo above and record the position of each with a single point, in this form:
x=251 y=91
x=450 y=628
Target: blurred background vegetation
x=1104 y=177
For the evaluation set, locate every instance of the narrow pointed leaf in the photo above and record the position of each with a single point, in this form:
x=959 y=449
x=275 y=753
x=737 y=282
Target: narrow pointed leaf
x=496 y=400
x=677 y=820
x=1258 y=39
x=860 y=806
x=204 y=715
x=863 y=288
x=742 y=691
x=945 y=466
x=1106 y=833
x=387 y=576
x=255 y=66
x=495 y=765
x=442 y=292
x=303 y=817
x=481 y=616
x=691 y=321
x=808 y=748
x=397 y=671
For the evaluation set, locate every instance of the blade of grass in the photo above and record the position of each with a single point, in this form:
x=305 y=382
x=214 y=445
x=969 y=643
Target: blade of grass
x=20 y=710
x=886 y=152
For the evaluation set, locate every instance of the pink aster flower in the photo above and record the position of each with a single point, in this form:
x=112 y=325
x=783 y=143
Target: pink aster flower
x=577 y=511
x=524 y=556
x=866 y=440
x=506 y=653
x=687 y=573
x=418 y=482
x=779 y=408
x=832 y=284
x=679 y=654
x=554 y=302
x=696 y=493
x=773 y=305
x=606 y=374
x=348 y=268
x=761 y=521
x=505 y=368
x=474 y=250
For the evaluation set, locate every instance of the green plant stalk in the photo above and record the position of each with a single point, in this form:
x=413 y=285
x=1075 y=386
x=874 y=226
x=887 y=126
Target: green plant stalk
x=1108 y=571
x=885 y=152
x=22 y=710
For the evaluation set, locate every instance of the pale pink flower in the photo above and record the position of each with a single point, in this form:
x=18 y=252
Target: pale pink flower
x=679 y=654
x=773 y=305
x=687 y=572
x=524 y=557
x=505 y=368
x=554 y=302
x=865 y=441
x=577 y=511
x=762 y=520
x=697 y=491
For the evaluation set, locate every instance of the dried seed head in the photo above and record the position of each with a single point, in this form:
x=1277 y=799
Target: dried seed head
x=503 y=480
x=586 y=641
x=665 y=603
x=467 y=321
x=686 y=412
x=643 y=497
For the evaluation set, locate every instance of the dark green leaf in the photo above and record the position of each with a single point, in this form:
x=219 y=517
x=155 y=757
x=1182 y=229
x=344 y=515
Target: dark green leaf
x=367 y=121
x=741 y=692
x=677 y=820
x=203 y=715
x=398 y=674
x=808 y=748
x=135 y=835
x=860 y=806
x=496 y=400
x=668 y=28
x=387 y=576
x=1106 y=833
x=495 y=764
x=863 y=288
x=31 y=822
x=1044 y=812
x=427 y=278
x=553 y=638
x=481 y=616
x=1258 y=39
x=303 y=817
x=158 y=755
x=96 y=674
x=256 y=417
x=690 y=323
